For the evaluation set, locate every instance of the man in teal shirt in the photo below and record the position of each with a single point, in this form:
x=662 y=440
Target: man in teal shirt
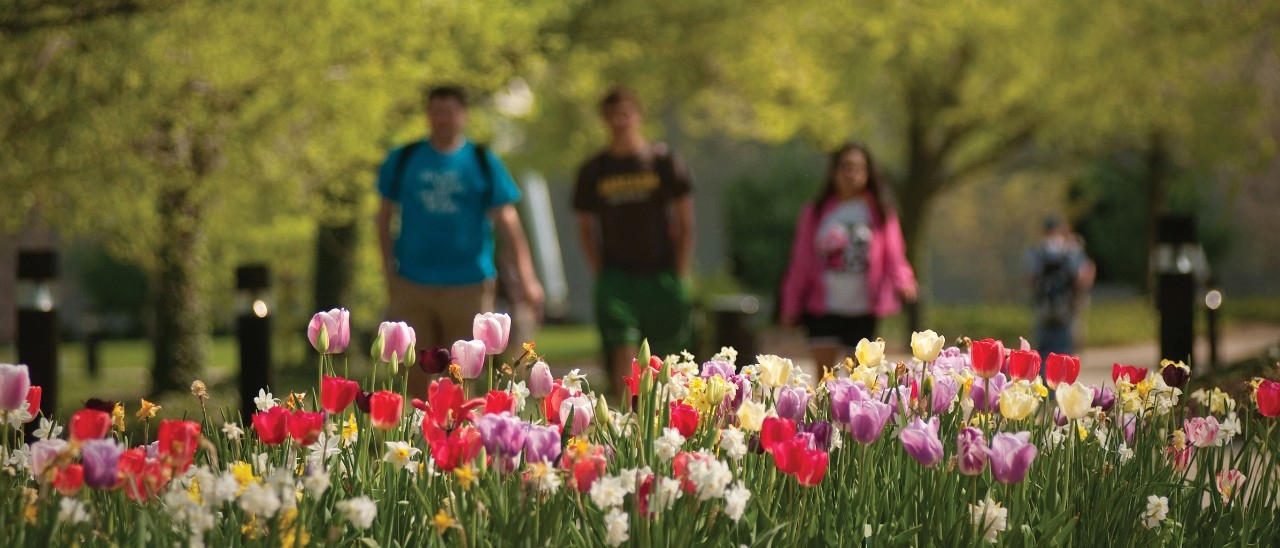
x=440 y=268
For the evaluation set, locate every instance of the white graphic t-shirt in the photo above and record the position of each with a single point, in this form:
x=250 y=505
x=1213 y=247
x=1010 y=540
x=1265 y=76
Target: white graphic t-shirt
x=843 y=241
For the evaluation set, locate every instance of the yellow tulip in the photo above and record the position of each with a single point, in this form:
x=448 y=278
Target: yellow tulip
x=1075 y=400
x=1017 y=402
x=926 y=345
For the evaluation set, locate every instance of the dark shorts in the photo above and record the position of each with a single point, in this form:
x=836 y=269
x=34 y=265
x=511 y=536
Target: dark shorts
x=835 y=330
x=631 y=308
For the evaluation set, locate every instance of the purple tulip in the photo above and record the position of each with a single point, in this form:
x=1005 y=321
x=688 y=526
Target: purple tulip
x=867 y=419
x=792 y=402
x=920 y=439
x=971 y=451
x=1058 y=418
x=978 y=390
x=101 y=459
x=952 y=360
x=469 y=355
x=501 y=434
x=15 y=382
x=717 y=367
x=540 y=380
x=842 y=393
x=434 y=360
x=493 y=329
x=1011 y=456
x=743 y=393
x=1104 y=397
x=541 y=443
x=945 y=389
x=336 y=324
x=820 y=432
x=396 y=339
x=44 y=453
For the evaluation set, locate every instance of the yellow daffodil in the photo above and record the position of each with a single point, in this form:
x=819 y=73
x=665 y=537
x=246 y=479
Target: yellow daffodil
x=466 y=476
x=442 y=521
x=147 y=411
x=350 y=430
x=117 y=417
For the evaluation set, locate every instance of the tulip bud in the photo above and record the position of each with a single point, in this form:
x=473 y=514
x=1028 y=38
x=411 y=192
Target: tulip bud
x=643 y=355
x=540 y=380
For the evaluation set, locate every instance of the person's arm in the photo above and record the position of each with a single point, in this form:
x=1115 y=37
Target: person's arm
x=682 y=229
x=383 y=222
x=507 y=220
x=899 y=268
x=587 y=237
x=795 y=280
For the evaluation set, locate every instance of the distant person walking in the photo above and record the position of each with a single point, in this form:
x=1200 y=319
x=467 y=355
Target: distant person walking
x=848 y=261
x=450 y=194
x=635 y=222
x=1060 y=275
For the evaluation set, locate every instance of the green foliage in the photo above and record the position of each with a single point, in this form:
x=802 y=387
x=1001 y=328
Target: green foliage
x=762 y=212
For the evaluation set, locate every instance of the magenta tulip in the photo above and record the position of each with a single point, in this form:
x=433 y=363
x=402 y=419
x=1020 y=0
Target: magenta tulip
x=336 y=326
x=396 y=340
x=971 y=451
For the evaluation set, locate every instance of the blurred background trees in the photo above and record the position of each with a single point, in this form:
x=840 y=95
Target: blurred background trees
x=170 y=140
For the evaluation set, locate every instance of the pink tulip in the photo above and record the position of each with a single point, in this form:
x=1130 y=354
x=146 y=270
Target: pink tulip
x=336 y=324
x=396 y=340
x=15 y=383
x=469 y=355
x=493 y=329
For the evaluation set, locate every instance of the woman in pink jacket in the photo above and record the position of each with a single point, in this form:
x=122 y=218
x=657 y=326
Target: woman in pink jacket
x=848 y=261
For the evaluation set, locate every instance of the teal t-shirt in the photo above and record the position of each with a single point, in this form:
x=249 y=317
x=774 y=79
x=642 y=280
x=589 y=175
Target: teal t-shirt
x=446 y=237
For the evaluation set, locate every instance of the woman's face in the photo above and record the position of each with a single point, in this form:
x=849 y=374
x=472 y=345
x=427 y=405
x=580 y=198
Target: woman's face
x=851 y=174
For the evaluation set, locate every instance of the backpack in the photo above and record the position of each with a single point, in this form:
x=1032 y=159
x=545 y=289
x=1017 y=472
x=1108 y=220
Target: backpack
x=1055 y=290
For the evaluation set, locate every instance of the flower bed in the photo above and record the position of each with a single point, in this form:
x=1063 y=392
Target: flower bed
x=958 y=447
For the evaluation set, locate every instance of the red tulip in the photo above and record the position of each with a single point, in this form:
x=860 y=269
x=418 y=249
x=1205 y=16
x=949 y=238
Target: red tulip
x=586 y=465
x=33 y=401
x=446 y=403
x=1268 y=398
x=336 y=393
x=814 y=469
x=988 y=357
x=455 y=449
x=633 y=382
x=684 y=418
x=178 y=442
x=776 y=431
x=385 y=408
x=271 y=425
x=499 y=401
x=142 y=477
x=551 y=405
x=305 y=426
x=1061 y=369
x=1135 y=374
x=790 y=455
x=1024 y=364
x=88 y=424
x=69 y=480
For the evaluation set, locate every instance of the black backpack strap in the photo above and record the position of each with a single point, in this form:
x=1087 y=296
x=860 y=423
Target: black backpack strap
x=486 y=170
x=398 y=175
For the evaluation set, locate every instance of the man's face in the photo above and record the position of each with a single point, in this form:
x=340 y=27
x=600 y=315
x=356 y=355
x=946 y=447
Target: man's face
x=622 y=118
x=446 y=116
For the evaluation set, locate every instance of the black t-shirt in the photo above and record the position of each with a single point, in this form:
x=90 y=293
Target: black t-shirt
x=631 y=197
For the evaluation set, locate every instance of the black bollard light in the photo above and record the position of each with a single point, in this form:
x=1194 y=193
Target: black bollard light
x=253 y=329
x=38 y=323
x=1177 y=258
x=1212 y=304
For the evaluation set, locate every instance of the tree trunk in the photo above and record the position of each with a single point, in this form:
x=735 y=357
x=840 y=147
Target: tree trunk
x=1157 y=183
x=182 y=338
x=335 y=264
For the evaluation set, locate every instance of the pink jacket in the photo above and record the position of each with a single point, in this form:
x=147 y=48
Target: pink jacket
x=888 y=271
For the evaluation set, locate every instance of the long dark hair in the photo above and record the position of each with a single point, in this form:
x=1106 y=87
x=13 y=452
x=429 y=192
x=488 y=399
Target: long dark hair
x=878 y=199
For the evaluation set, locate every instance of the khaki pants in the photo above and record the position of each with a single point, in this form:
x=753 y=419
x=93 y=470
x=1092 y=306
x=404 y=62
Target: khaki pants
x=439 y=315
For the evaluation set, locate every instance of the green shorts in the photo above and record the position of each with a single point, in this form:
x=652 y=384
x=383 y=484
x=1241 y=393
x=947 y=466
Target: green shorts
x=631 y=308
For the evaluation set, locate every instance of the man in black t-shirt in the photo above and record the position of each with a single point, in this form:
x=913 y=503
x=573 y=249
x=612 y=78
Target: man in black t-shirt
x=635 y=221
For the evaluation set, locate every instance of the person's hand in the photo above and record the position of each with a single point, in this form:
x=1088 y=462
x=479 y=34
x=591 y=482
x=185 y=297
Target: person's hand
x=533 y=295
x=908 y=294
